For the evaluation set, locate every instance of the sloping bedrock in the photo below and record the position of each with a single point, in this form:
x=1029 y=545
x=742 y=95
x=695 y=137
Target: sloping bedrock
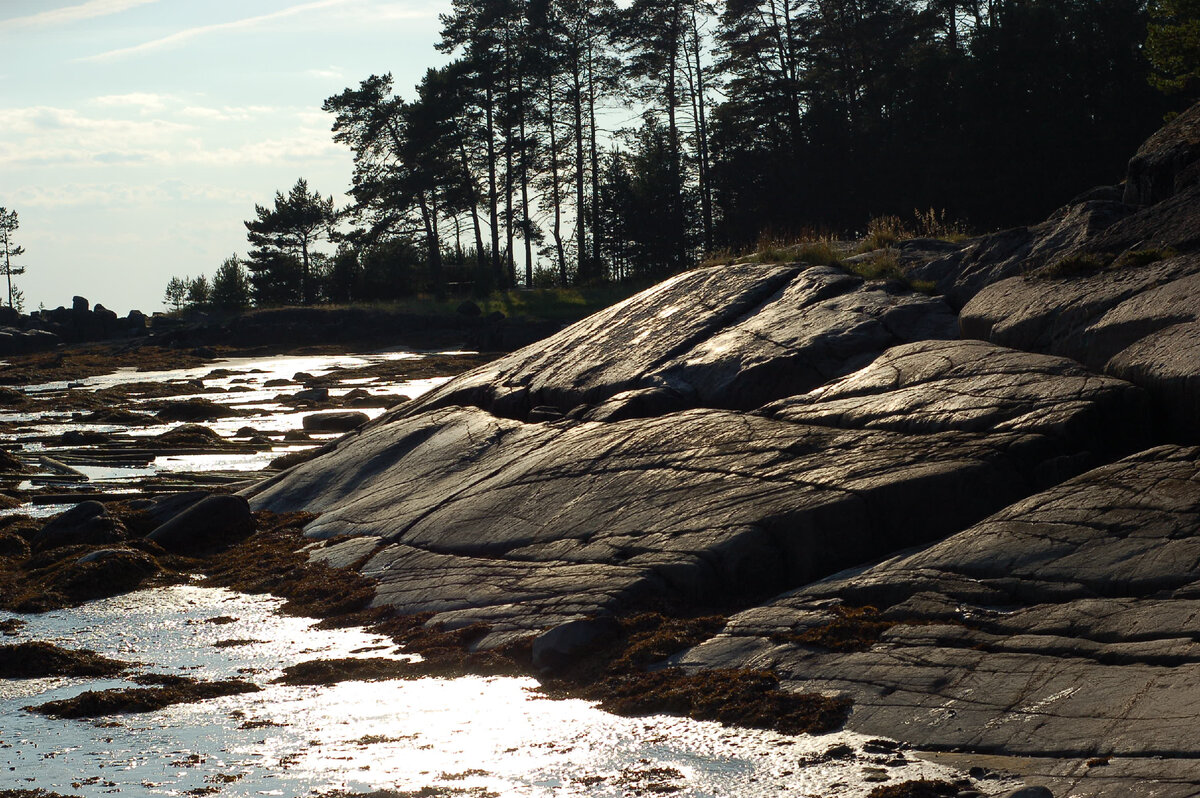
x=731 y=337
x=989 y=259
x=1159 y=209
x=1137 y=323
x=1060 y=628
x=525 y=525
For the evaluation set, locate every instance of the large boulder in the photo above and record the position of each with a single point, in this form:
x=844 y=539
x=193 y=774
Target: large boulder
x=210 y=523
x=731 y=337
x=335 y=421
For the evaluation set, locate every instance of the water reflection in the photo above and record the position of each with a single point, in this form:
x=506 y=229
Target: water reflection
x=492 y=733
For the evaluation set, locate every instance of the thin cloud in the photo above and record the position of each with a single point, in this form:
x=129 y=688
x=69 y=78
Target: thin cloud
x=191 y=33
x=60 y=16
x=145 y=101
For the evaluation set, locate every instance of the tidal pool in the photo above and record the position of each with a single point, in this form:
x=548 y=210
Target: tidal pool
x=477 y=735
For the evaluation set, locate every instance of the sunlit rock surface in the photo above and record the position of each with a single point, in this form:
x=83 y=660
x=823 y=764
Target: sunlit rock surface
x=527 y=525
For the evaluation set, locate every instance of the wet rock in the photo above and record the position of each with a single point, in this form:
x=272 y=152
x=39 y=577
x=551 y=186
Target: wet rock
x=87 y=522
x=190 y=435
x=276 y=383
x=293 y=458
x=312 y=395
x=336 y=421
x=197 y=409
x=75 y=437
x=9 y=502
x=211 y=523
x=118 y=415
x=40 y=659
x=1030 y=792
x=105 y=572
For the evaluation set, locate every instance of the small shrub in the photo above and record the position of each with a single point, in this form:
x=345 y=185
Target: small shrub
x=883 y=232
x=1143 y=257
x=818 y=253
x=934 y=224
x=884 y=267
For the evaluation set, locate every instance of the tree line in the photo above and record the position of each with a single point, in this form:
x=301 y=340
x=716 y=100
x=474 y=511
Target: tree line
x=582 y=141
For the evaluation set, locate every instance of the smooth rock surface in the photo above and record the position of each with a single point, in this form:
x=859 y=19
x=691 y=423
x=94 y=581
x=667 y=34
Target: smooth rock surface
x=1061 y=626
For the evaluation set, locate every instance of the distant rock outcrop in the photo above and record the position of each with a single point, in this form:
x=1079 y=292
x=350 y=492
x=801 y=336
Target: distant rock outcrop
x=1017 y=510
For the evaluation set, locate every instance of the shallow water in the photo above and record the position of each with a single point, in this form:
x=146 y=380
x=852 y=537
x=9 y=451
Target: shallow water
x=493 y=733
x=259 y=403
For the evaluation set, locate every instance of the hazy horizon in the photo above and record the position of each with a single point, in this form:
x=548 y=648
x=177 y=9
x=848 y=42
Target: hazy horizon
x=140 y=133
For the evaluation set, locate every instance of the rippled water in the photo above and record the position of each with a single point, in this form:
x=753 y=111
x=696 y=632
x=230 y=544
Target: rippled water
x=493 y=733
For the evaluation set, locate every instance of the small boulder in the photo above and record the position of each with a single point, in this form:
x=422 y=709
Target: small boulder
x=313 y=395
x=76 y=437
x=190 y=435
x=469 y=308
x=210 y=523
x=195 y=410
x=337 y=421
x=164 y=508
x=86 y=523
x=558 y=647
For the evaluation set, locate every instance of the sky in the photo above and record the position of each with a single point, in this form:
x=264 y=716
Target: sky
x=136 y=136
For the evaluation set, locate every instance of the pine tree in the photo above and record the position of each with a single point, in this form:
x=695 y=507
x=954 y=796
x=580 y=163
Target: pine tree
x=9 y=249
x=294 y=224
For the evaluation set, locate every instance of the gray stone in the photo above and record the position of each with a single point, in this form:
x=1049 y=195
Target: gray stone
x=522 y=525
